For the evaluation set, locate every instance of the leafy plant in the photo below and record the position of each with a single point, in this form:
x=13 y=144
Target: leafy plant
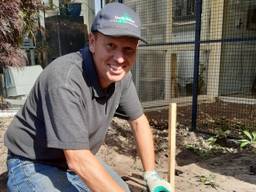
x=17 y=19
x=202 y=152
x=212 y=140
x=220 y=136
x=249 y=139
x=208 y=180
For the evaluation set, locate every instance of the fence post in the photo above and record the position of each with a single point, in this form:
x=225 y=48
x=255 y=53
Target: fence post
x=172 y=142
x=196 y=63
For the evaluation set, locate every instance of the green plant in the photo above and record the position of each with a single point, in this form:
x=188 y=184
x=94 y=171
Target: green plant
x=202 y=152
x=212 y=140
x=208 y=180
x=221 y=135
x=249 y=139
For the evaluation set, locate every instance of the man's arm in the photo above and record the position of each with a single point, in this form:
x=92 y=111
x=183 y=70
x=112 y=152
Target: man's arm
x=86 y=165
x=145 y=146
x=144 y=140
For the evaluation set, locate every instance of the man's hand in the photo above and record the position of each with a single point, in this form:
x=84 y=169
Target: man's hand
x=156 y=183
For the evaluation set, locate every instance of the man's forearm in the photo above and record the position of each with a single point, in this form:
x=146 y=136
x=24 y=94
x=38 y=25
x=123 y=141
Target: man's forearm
x=86 y=165
x=144 y=140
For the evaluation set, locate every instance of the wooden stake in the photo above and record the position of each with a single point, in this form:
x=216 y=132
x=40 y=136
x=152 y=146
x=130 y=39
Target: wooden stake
x=172 y=142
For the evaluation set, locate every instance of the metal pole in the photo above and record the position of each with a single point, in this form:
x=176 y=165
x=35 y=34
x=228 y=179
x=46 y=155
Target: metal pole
x=198 y=12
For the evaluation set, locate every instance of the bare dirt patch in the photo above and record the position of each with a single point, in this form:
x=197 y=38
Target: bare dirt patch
x=201 y=165
x=205 y=168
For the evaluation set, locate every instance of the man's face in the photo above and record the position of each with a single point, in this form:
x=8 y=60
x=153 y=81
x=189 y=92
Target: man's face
x=113 y=56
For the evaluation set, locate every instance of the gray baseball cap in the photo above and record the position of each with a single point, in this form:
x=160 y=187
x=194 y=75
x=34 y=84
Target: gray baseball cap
x=116 y=19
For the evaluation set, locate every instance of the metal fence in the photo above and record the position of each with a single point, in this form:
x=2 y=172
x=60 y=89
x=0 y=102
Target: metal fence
x=202 y=55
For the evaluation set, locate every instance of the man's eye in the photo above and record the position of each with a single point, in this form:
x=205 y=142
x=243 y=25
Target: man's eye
x=110 y=46
x=129 y=51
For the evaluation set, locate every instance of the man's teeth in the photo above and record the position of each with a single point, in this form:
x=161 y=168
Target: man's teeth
x=115 y=67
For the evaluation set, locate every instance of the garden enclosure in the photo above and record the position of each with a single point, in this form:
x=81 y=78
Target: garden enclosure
x=201 y=53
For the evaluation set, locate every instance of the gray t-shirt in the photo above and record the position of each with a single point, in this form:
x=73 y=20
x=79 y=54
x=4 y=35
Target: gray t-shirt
x=67 y=109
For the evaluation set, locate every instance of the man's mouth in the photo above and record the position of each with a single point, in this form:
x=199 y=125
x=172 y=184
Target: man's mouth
x=115 y=69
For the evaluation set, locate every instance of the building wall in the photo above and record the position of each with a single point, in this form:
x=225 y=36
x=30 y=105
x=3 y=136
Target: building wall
x=238 y=59
x=162 y=24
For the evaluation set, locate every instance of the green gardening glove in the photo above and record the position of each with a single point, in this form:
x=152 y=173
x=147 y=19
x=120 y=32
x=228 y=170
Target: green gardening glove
x=156 y=183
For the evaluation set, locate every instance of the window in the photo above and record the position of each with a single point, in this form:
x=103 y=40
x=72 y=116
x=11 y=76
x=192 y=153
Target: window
x=251 y=18
x=184 y=10
x=110 y=1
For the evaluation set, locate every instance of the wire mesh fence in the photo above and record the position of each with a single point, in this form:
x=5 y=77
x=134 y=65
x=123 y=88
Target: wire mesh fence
x=226 y=61
x=200 y=54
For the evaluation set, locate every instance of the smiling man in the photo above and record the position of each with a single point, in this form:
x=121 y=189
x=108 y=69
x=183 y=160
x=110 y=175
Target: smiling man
x=113 y=56
x=53 y=139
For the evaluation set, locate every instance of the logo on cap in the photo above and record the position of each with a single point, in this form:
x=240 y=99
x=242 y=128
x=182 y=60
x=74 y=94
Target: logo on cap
x=125 y=19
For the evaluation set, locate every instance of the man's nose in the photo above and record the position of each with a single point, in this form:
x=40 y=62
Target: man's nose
x=119 y=57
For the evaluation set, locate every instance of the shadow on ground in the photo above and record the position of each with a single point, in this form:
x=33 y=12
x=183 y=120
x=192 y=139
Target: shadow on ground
x=239 y=165
x=135 y=183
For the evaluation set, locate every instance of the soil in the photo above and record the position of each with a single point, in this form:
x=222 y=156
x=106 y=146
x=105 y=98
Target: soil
x=201 y=165
x=208 y=169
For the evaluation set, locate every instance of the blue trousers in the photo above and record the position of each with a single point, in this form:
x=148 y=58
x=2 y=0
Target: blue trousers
x=28 y=176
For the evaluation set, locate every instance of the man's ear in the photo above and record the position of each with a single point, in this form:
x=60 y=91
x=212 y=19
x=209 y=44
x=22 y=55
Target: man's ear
x=92 y=40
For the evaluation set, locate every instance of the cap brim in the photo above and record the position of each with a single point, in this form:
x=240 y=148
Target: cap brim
x=121 y=33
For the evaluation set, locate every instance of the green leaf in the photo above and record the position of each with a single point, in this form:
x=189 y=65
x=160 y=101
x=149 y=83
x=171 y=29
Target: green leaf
x=247 y=133
x=254 y=135
x=245 y=143
x=212 y=140
x=243 y=140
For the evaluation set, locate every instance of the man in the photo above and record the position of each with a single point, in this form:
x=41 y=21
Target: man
x=53 y=139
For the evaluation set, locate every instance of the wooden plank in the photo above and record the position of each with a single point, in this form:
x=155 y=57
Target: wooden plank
x=172 y=142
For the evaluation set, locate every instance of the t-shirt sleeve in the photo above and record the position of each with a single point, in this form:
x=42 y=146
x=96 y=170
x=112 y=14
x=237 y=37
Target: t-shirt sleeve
x=130 y=106
x=65 y=120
